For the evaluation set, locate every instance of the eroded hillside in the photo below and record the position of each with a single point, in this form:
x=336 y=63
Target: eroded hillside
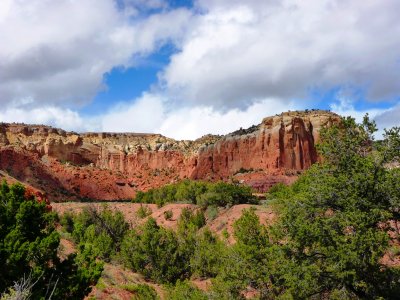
x=111 y=166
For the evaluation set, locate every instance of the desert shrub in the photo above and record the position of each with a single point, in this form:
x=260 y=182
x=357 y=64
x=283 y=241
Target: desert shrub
x=28 y=248
x=211 y=212
x=165 y=256
x=143 y=211
x=154 y=252
x=213 y=199
x=184 y=290
x=103 y=230
x=191 y=218
x=168 y=214
x=67 y=222
x=206 y=259
x=142 y=292
x=198 y=192
x=246 y=263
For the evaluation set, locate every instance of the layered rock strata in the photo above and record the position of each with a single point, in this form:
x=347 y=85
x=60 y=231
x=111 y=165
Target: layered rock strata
x=109 y=166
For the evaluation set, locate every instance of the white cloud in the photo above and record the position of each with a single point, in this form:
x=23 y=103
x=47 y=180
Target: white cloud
x=237 y=61
x=385 y=118
x=389 y=118
x=56 y=52
x=191 y=123
x=241 y=51
x=345 y=107
x=50 y=115
x=151 y=113
x=143 y=115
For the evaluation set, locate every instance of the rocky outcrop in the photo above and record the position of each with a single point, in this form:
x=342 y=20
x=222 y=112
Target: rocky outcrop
x=68 y=165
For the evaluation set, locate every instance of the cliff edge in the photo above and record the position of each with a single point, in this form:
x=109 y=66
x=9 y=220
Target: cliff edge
x=112 y=166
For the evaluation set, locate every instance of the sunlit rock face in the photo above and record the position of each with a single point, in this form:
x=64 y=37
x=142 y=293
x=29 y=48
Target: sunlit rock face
x=112 y=166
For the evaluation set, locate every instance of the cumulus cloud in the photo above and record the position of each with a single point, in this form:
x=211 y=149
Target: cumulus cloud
x=235 y=61
x=142 y=115
x=344 y=106
x=62 y=118
x=151 y=114
x=385 y=118
x=242 y=51
x=57 y=52
x=191 y=123
x=389 y=118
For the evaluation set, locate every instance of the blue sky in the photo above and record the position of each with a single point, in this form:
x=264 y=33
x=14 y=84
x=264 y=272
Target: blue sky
x=187 y=68
x=124 y=84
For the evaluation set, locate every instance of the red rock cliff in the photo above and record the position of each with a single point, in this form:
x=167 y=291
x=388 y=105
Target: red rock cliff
x=110 y=166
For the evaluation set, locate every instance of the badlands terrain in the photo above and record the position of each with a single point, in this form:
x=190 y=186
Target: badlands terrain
x=69 y=166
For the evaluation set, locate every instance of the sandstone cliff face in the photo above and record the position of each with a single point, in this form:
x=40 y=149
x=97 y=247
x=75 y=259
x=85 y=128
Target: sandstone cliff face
x=281 y=142
x=111 y=166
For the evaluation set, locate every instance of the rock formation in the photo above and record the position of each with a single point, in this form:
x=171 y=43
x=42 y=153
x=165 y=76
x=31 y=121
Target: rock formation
x=111 y=166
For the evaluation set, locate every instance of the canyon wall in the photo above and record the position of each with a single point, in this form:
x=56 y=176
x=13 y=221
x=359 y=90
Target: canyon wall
x=112 y=166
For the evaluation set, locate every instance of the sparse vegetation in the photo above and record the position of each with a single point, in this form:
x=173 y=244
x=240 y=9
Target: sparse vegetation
x=198 y=192
x=143 y=211
x=168 y=214
x=211 y=212
x=243 y=170
x=142 y=291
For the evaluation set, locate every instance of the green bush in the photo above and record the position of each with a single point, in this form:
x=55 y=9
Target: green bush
x=168 y=214
x=142 y=292
x=67 y=222
x=165 y=256
x=154 y=252
x=103 y=229
x=184 y=290
x=190 y=218
x=28 y=250
x=143 y=211
x=198 y=192
x=246 y=263
x=212 y=212
x=206 y=259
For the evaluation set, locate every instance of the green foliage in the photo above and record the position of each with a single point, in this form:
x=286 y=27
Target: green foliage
x=334 y=218
x=165 y=256
x=154 y=252
x=142 y=292
x=198 y=192
x=189 y=218
x=102 y=230
x=249 y=232
x=168 y=214
x=184 y=290
x=212 y=212
x=245 y=264
x=67 y=222
x=143 y=211
x=28 y=247
x=206 y=258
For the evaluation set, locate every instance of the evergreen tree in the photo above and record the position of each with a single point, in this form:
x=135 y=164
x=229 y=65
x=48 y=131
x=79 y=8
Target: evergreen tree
x=334 y=220
x=28 y=249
